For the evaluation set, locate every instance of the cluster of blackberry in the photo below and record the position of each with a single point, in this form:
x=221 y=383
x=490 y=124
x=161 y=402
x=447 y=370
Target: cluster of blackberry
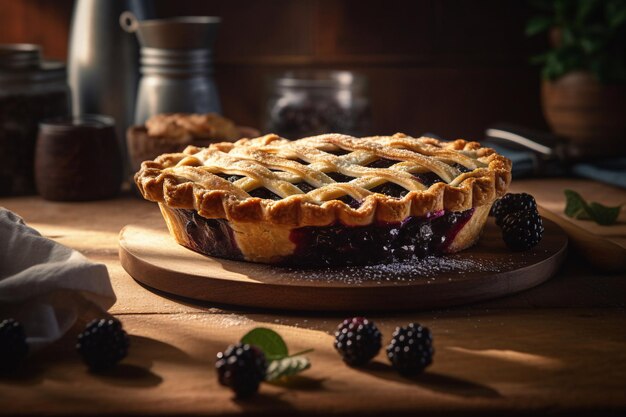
x=242 y=367
x=102 y=344
x=517 y=215
x=410 y=350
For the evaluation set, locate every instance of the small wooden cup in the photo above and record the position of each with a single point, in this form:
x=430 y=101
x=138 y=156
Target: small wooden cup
x=78 y=159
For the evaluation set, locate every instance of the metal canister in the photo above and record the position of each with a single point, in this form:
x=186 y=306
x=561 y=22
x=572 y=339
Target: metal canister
x=31 y=90
x=174 y=80
x=176 y=65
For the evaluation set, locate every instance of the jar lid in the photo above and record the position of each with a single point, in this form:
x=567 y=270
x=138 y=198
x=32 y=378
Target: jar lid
x=19 y=56
x=23 y=62
x=320 y=79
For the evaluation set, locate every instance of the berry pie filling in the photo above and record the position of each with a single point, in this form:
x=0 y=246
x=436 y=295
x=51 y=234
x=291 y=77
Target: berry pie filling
x=335 y=244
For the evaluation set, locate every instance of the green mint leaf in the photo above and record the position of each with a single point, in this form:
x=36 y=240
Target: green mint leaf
x=285 y=367
x=577 y=208
x=604 y=215
x=270 y=342
x=280 y=363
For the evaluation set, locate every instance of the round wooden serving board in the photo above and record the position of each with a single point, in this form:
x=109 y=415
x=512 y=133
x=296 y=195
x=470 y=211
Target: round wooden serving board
x=487 y=270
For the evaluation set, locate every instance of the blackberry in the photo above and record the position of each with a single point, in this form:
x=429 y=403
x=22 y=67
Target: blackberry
x=13 y=347
x=103 y=344
x=511 y=203
x=264 y=193
x=404 y=252
x=305 y=187
x=391 y=189
x=233 y=178
x=357 y=340
x=411 y=349
x=241 y=368
x=522 y=230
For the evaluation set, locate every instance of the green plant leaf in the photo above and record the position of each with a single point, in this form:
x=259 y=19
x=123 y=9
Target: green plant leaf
x=616 y=13
x=285 y=367
x=538 y=24
x=604 y=215
x=590 y=44
x=577 y=208
x=585 y=8
x=270 y=342
x=554 y=66
x=592 y=37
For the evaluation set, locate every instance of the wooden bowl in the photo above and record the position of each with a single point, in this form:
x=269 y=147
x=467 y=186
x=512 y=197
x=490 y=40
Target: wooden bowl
x=142 y=147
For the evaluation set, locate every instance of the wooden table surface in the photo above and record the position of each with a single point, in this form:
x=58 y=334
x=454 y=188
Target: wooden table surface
x=559 y=348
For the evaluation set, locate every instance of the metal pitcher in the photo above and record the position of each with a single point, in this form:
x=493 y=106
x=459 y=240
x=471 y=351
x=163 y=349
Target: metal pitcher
x=176 y=65
x=103 y=60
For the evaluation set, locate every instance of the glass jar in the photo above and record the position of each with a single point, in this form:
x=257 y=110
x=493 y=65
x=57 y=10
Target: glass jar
x=306 y=103
x=30 y=90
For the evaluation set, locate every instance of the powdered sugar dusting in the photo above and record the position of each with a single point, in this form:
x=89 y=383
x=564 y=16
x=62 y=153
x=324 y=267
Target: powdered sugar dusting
x=427 y=269
x=231 y=320
x=220 y=320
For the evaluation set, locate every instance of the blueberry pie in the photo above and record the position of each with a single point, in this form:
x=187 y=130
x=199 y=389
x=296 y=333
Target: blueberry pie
x=327 y=200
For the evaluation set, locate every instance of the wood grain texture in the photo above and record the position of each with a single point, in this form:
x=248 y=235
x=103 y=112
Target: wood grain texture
x=556 y=349
x=487 y=363
x=152 y=257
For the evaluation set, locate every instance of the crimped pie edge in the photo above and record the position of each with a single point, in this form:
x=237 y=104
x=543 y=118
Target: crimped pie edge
x=295 y=211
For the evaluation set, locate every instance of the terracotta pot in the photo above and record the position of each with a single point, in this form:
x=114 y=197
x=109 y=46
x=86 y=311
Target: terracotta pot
x=579 y=108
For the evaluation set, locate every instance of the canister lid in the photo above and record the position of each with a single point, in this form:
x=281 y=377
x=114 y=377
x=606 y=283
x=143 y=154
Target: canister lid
x=182 y=32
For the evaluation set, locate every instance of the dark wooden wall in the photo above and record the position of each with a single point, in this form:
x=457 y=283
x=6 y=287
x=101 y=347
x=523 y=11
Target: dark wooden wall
x=447 y=66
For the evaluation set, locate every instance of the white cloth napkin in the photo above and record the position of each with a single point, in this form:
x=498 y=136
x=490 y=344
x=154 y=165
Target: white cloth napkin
x=45 y=285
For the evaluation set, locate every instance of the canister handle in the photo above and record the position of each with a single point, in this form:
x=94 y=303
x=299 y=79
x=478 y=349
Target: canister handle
x=129 y=22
